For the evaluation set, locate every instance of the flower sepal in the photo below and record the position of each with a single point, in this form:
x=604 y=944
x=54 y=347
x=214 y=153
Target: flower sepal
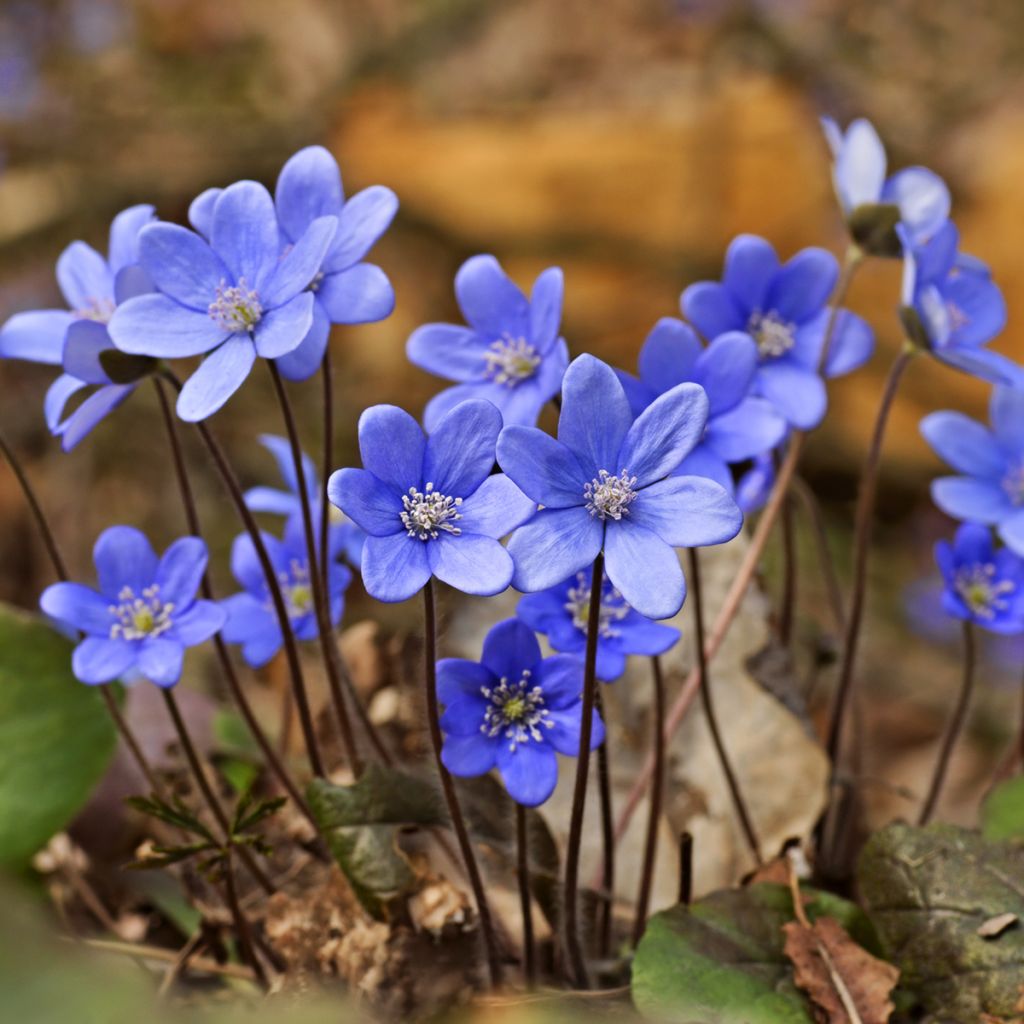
x=914 y=329
x=873 y=227
x=124 y=368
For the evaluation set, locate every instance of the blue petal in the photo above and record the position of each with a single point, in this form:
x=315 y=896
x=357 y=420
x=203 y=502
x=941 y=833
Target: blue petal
x=489 y=300
x=181 y=571
x=922 y=197
x=281 y=330
x=302 y=362
x=98 y=660
x=564 y=734
x=1006 y=411
x=703 y=461
x=538 y=610
x=79 y=606
x=750 y=266
x=966 y=498
x=368 y=501
x=309 y=186
x=610 y=664
x=219 y=376
x=392 y=446
x=860 y=166
x=509 y=649
x=130 y=282
x=123 y=247
x=664 y=433
x=84 y=342
x=160 y=660
x=725 y=370
x=752 y=427
x=669 y=355
x=1011 y=532
x=712 y=309
x=638 y=394
x=522 y=405
x=97 y=406
x=644 y=569
x=552 y=546
x=457 y=677
x=979 y=362
x=84 y=277
x=181 y=264
x=852 y=343
x=57 y=396
x=468 y=756
x=363 y=219
x=595 y=416
x=394 y=568
x=199 y=623
x=972 y=544
x=496 y=508
x=541 y=467
x=470 y=563
x=561 y=679
x=650 y=638
x=455 y=353
x=460 y=452
x=124 y=558
x=546 y=309
x=247 y=618
x=300 y=264
x=154 y=325
x=360 y=295
x=445 y=401
x=964 y=444
x=200 y=211
x=797 y=393
x=803 y=285
x=245 y=233
x=685 y=512
x=37 y=336
x=530 y=772
x=980 y=308
x=464 y=715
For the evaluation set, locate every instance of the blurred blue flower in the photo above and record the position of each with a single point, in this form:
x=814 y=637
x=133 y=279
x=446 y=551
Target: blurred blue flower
x=983 y=586
x=990 y=489
x=562 y=611
x=430 y=505
x=143 y=615
x=606 y=485
x=740 y=425
x=959 y=306
x=784 y=308
x=513 y=711
x=344 y=538
x=251 y=618
x=859 y=176
x=510 y=354
x=77 y=338
x=232 y=299
x=755 y=485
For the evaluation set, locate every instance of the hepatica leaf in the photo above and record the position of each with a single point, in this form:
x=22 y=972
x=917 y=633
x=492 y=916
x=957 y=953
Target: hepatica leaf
x=928 y=891
x=56 y=739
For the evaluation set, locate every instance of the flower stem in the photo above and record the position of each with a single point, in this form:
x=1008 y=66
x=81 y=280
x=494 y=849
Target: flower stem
x=643 y=898
x=709 y=710
x=523 y=872
x=326 y=379
x=242 y=929
x=223 y=655
x=685 y=868
x=604 y=786
x=954 y=728
x=787 y=604
x=321 y=600
x=448 y=786
x=573 y=945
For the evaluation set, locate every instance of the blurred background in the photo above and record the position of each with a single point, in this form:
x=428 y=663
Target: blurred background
x=626 y=141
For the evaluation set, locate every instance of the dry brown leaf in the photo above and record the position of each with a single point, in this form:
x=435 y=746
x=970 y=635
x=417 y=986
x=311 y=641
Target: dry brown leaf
x=995 y=926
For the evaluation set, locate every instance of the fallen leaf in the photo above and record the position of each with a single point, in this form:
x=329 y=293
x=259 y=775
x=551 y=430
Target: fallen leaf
x=995 y=926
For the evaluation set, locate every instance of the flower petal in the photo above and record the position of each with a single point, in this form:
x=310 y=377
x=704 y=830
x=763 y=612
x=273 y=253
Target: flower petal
x=124 y=558
x=309 y=186
x=704 y=461
x=394 y=568
x=966 y=445
x=36 y=336
x=754 y=426
x=282 y=330
x=57 y=395
x=84 y=342
x=304 y=360
x=97 y=660
x=509 y=649
x=923 y=199
x=546 y=309
x=363 y=219
x=155 y=325
x=392 y=446
x=200 y=211
x=464 y=715
x=541 y=467
x=669 y=355
x=552 y=546
x=79 y=606
x=981 y=363
x=496 y=508
x=750 y=266
x=645 y=637
x=457 y=677
x=160 y=660
x=360 y=295
x=300 y=264
x=97 y=406
x=181 y=571
x=797 y=393
x=490 y=301
x=803 y=285
x=460 y=452
x=181 y=264
x=1011 y=532
x=368 y=501
x=84 y=277
x=725 y=370
x=664 y=433
x=595 y=416
x=245 y=233
x=966 y=498
x=123 y=247
x=470 y=563
x=859 y=171
x=560 y=677
x=468 y=756
x=1006 y=411
x=449 y=351
x=686 y=512
x=564 y=733
x=530 y=772
x=644 y=569
x=202 y=621
x=713 y=309
x=218 y=377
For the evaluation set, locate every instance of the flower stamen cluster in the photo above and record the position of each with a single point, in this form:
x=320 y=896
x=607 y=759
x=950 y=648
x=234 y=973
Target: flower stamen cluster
x=296 y=589
x=774 y=336
x=1013 y=483
x=428 y=511
x=98 y=310
x=510 y=361
x=236 y=308
x=515 y=710
x=609 y=497
x=981 y=592
x=613 y=608
x=140 y=617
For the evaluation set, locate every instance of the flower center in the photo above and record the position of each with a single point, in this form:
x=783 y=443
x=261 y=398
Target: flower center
x=613 y=607
x=296 y=589
x=516 y=710
x=609 y=497
x=774 y=336
x=510 y=361
x=979 y=589
x=957 y=317
x=136 y=618
x=428 y=511
x=1013 y=483
x=99 y=310
x=236 y=308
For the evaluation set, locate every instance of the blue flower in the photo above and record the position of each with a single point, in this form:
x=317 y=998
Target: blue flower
x=143 y=615
x=344 y=538
x=991 y=487
x=740 y=425
x=510 y=354
x=755 y=485
x=784 y=308
x=606 y=485
x=251 y=619
x=513 y=711
x=232 y=299
x=77 y=338
x=859 y=176
x=431 y=506
x=561 y=613
x=983 y=586
x=958 y=305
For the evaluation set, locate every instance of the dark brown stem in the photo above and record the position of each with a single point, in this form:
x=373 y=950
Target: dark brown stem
x=604 y=788
x=523 y=874
x=953 y=730
x=573 y=944
x=321 y=599
x=245 y=939
x=326 y=378
x=223 y=655
x=685 y=868
x=643 y=899
x=787 y=604
x=209 y=796
x=448 y=786
x=709 y=710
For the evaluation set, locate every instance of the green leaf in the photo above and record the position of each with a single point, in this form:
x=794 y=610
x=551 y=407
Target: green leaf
x=928 y=890
x=360 y=824
x=1002 y=813
x=176 y=814
x=721 y=959
x=56 y=738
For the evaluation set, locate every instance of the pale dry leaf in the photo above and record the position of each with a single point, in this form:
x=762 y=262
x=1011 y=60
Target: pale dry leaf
x=995 y=926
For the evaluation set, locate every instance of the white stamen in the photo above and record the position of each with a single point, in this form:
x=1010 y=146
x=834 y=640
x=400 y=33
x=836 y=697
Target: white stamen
x=774 y=336
x=515 y=710
x=510 y=361
x=428 y=511
x=980 y=591
x=609 y=497
x=236 y=308
x=139 y=617
x=613 y=607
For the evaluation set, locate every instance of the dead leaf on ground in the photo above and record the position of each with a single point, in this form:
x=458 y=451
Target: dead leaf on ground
x=995 y=926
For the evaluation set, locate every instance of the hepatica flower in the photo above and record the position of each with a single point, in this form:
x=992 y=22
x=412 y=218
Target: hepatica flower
x=514 y=711
x=990 y=489
x=251 y=618
x=344 y=538
x=784 y=308
x=755 y=484
x=430 y=505
x=510 y=354
x=562 y=611
x=143 y=614
x=958 y=306
x=739 y=426
x=982 y=585
x=77 y=338
x=231 y=299
x=605 y=485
